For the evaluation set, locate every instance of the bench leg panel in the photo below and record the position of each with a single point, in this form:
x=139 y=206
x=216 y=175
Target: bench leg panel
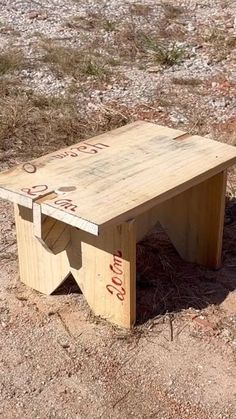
x=194 y=221
x=107 y=276
x=105 y=266
x=39 y=268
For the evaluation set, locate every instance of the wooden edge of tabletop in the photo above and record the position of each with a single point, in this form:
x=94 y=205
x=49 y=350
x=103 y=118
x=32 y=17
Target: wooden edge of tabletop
x=16 y=197
x=75 y=220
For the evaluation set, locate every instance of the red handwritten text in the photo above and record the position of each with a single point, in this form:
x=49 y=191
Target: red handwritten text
x=117 y=276
x=35 y=190
x=66 y=203
x=83 y=147
x=29 y=168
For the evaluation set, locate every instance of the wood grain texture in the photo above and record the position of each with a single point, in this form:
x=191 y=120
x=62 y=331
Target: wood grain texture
x=146 y=221
x=106 y=271
x=116 y=176
x=104 y=266
x=194 y=221
x=83 y=208
x=39 y=268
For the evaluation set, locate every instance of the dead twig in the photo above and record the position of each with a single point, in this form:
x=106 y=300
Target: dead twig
x=120 y=399
x=171 y=319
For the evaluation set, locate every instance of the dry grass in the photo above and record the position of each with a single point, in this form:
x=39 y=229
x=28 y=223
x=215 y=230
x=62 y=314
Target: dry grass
x=172 y=12
x=11 y=61
x=140 y=9
x=187 y=81
x=167 y=284
x=222 y=42
x=75 y=63
x=161 y=53
x=109 y=25
x=93 y=21
x=132 y=44
x=125 y=41
x=32 y=125
x=128 y=41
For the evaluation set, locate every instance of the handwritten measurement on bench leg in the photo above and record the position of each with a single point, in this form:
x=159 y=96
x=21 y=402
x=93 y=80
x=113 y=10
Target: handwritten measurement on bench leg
x=117 y=276
x=37 y=190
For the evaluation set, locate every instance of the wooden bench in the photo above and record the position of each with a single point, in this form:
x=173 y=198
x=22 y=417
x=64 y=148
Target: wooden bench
x=81 y=210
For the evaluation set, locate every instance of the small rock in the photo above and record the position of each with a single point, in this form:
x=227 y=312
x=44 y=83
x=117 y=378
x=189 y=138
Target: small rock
x=42 y=16
x=204 y=323
x=229 y=25
x=37 y=15
x=153 y=69
x=33 y=15
x=21 y=297
x=64 y=344
x=51 y=312
x=191 y=27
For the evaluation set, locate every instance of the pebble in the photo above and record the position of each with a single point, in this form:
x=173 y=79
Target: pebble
x=64 y=344
x=33 y=15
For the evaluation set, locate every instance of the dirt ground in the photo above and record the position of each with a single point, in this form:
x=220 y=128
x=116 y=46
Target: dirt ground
x=173 y=63
x=57 y=360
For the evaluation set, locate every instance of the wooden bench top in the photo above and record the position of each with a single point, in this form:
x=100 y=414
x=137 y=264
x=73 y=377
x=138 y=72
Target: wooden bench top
x=115 y=176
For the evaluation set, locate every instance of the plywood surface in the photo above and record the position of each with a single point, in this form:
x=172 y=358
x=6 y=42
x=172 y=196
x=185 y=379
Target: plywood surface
x=116 y=176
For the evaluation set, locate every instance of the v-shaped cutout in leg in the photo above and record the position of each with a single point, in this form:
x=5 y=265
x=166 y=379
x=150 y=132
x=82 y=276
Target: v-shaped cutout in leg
x=39 y=267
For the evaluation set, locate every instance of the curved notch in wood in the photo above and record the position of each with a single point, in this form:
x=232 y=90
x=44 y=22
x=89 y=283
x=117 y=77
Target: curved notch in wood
x=39 y=268
x=53 y=235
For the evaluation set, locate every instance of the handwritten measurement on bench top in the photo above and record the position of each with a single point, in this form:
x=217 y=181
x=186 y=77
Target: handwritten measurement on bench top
x=83 y=147
x=66 y=203
x=75 y=151
x=39 y=189
x=117 y=276
x=35 y=190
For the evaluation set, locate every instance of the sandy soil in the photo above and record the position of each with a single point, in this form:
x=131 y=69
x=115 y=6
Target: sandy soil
x=58 y=361
x=179 y=362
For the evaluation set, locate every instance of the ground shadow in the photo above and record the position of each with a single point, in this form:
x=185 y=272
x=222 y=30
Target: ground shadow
x=166 y=283
x=69 y=286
